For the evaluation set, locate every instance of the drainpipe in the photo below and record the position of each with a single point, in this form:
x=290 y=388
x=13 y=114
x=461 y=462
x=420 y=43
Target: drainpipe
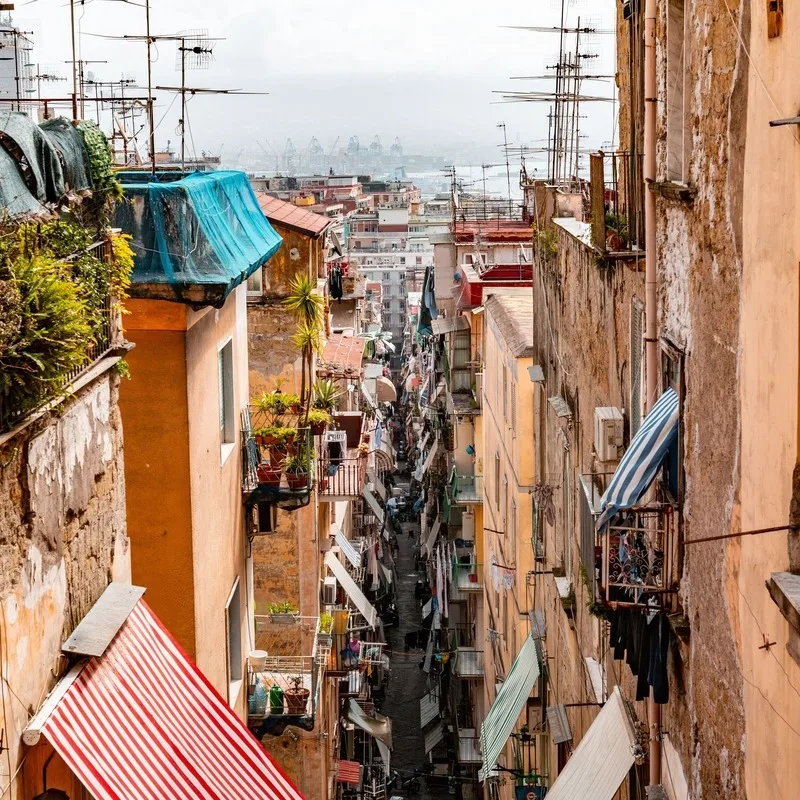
x=651 y=344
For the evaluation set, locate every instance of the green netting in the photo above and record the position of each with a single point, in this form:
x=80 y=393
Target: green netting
x=198 y=237
x=68 y=142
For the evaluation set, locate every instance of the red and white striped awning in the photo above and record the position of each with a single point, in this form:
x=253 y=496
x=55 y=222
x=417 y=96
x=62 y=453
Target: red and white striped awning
x=141 y=722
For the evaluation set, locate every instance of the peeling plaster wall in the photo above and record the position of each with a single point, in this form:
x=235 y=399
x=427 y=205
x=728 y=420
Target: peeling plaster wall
x=699 y=277
x=62 y=540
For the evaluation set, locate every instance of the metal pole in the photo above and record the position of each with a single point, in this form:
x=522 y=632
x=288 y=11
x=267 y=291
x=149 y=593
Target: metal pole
x=74 y=61
x=651 y=351
x=183 y=104
x=16 y=66
x=152 y=137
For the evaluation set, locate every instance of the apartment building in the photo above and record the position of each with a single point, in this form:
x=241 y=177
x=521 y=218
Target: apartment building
x=660 y=572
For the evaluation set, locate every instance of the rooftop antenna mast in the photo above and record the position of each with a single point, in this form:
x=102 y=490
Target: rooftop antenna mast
x=508 y=166
x=195 y=51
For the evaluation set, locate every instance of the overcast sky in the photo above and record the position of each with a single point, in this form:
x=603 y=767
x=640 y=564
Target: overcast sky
x=423 y=70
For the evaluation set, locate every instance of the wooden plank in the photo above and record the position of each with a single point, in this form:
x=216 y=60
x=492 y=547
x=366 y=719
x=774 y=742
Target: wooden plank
x=98 y=628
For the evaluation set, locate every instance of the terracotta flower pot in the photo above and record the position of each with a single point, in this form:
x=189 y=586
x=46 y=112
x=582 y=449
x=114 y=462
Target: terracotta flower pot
x=318 y=428
x=296 y=700
x=296 y=482
x=268 y=475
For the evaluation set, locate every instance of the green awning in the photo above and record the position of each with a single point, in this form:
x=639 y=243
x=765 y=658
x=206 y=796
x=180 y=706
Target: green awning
x=509 y=704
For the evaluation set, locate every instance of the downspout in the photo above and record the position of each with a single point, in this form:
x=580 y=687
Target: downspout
x=651 y=328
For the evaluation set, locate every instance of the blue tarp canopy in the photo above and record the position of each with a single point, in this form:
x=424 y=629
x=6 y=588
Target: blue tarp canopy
x=196 y=238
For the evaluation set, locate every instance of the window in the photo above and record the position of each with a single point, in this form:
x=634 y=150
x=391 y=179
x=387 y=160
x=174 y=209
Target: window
x=513 y=409
x=505 y=503
x=255 y=283
x=637 y=364
x=402 y=259
x=387 y=276
x=774 y=18
x=505 y=392
x=233 y=628
x=678 y=132
x=386 y=305
x=419 y=259
x=512 y=527
x=497 y=480
x=227 y=428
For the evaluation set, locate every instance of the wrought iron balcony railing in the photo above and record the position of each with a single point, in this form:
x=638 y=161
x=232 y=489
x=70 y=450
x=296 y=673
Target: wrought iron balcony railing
x=617 y=202
x=343 y=477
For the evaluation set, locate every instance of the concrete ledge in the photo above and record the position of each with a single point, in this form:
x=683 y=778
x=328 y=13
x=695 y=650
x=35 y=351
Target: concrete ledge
x=784 y=589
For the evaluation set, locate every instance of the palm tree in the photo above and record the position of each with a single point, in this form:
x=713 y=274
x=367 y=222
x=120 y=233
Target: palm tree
x=307 y=305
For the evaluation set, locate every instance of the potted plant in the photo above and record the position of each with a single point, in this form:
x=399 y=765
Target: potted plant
x=269 y=475
x=326 y=394
x=318 y=420
x=325 y=628
x=275 y=435
x=283 y=613
x=296 y=696
x=296 y=468
x=293 y=403
x=363 y=449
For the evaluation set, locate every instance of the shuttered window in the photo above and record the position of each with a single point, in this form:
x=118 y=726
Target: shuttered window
x=513 y=409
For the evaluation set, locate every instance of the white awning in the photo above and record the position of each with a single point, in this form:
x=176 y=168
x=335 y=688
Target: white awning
x=431 y=455
x=347 y=547
x=433 y=737
x=469 y=747
x=603 y=757
x=373 y=503
x=385 y=390
x=428 y=709
x=351 y=588
x=429 y=543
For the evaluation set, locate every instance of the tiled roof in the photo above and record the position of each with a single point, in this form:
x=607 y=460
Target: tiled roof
x=343 y=352
x=300 y=219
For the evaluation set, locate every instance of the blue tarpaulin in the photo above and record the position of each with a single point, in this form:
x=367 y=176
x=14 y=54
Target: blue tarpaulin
x=195 y=239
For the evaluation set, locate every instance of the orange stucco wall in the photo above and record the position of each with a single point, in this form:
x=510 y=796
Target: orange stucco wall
x=184 y=484
x=155 y=420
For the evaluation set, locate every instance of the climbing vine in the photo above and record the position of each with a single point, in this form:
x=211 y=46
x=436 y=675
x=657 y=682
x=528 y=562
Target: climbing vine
x=60 y=282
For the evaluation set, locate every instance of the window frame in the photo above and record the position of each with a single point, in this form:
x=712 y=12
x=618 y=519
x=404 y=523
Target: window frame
x=234 y=668
x=226 y=393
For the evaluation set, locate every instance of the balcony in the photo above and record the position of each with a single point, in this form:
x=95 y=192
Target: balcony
x=277 y=461
x=342 y=478
x=468 y=663
x=280 y=682
x=617 y=203
x=467 y=489
x=467 y=577
x=634 y=563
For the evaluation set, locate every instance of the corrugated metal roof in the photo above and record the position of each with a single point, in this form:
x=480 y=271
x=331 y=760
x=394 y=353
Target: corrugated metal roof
x=288 y=214
x=513 y=316
x=343 y=352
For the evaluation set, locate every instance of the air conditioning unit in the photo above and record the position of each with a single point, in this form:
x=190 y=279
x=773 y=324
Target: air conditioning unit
x=608 y=431
x=329 y=592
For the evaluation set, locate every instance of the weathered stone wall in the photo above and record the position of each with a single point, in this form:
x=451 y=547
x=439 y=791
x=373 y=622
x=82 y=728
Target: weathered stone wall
x=582 y=318
x=699 y=274
x=62 y=539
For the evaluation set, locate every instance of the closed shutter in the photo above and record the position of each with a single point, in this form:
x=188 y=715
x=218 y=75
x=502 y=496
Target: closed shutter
x=513 y=409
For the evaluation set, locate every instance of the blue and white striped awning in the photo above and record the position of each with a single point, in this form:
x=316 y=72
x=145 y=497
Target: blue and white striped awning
x=509 y=704
x=642 y=460
x=348 y=548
